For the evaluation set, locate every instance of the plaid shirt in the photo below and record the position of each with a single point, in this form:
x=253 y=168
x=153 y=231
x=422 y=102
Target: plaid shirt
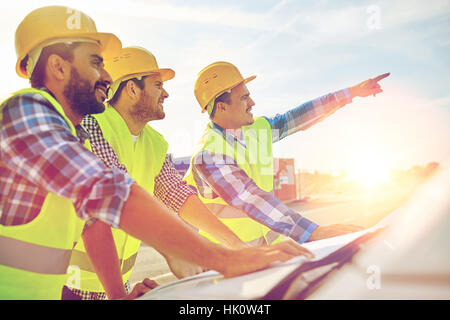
x=217 y=175
x=89 y=295
x=169 y=188
x=39 y=154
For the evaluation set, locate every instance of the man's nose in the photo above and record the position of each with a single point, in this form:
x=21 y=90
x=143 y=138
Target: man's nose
x=165 y=94
x=105 y=77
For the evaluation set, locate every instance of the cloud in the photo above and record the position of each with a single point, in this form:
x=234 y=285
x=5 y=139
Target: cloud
x=219 y=16
x=314 y=26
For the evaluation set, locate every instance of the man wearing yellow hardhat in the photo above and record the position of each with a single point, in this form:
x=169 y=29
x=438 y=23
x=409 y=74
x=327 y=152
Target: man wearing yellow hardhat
x=49 y=180
x=232 y=166
x=122 y=137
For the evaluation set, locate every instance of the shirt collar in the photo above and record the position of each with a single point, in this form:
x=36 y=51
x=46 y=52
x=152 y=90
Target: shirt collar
x=82 y=133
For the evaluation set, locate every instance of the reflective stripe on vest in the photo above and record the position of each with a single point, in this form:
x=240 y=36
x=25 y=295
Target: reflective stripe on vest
x=143 y=160
x=30 y=257
x=34 y=256
x=80 y=259
x=257 y=162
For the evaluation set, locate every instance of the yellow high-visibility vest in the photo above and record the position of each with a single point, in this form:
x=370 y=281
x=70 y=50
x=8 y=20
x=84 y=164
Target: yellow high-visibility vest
x=257 y=162
x=143 y=160
x=34 y=256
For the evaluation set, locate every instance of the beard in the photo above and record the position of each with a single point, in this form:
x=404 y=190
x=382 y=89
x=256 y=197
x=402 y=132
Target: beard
x=143 y=112
x=81 y=95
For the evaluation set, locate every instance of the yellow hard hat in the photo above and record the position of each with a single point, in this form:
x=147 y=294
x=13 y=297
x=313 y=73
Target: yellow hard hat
x=215 y=79
x=133 y=62
x=51 y=23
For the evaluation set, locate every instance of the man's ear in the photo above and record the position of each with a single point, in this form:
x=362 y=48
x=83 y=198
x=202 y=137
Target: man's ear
x=131 y=90
x=221 y=106
x=58 y=68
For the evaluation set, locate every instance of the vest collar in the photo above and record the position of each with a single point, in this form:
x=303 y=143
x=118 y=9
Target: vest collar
x=228 y=136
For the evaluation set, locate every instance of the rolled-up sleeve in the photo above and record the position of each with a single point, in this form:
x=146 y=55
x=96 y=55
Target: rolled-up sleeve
x=170 y=188
x=38 y=144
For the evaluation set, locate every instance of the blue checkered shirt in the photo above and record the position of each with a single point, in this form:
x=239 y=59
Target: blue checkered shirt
x=39 y=154
x=224 y=178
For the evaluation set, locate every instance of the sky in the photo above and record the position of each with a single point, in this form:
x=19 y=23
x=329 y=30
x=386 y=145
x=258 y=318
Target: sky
x=299 y=50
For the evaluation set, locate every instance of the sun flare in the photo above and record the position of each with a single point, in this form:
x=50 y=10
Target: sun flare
x=370 y=168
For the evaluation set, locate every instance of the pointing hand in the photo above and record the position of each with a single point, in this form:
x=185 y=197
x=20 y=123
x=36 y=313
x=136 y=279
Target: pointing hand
x=368 y=87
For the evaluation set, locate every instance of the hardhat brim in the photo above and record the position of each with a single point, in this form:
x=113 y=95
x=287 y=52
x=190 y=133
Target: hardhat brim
x=165 y=74
x=109 y=43
x=246 y=80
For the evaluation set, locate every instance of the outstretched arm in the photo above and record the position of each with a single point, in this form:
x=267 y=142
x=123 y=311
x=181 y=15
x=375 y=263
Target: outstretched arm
x=230 y=182
x=314 y=111
x=307 y=114
x=226 y=179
